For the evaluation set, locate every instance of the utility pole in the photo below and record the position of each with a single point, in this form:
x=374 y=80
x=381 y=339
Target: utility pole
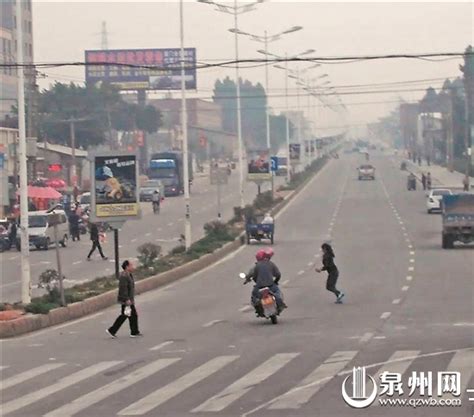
x=72 y=133
x=184 y=126
x=25 y=241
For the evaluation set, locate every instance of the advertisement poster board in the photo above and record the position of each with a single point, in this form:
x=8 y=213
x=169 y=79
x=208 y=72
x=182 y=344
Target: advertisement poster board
x=259 y=166
x=115 y=187
x=141 y=69
x=295 y=152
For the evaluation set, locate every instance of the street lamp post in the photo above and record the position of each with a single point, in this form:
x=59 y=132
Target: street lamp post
x=236 y=10
x=184 y=127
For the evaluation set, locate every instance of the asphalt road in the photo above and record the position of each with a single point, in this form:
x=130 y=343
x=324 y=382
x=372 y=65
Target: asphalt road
x=163 y=229
x=408 y=308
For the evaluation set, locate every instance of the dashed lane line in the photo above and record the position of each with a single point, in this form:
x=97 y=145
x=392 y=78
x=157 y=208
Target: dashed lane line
x=385 y=315
x=161 y=345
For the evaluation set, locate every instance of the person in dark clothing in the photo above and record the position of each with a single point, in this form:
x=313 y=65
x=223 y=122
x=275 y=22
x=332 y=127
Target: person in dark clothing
x=423 y=180
x=95 y=242
x=74 y=226
x=428 y=181
x=12 y=233
x=265 y=274
x=333 y=272
x=126 y=298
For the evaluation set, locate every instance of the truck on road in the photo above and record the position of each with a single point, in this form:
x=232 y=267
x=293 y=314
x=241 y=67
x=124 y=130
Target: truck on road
x=168 y=167
x=458 y=219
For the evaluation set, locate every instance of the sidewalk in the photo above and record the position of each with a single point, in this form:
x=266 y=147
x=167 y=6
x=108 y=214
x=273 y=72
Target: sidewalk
x=440 y=175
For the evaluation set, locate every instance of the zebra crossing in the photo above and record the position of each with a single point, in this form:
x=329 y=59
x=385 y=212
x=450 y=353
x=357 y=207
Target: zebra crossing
x=313 y=378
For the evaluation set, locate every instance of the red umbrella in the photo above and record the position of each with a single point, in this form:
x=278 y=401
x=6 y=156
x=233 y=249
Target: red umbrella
x=43 y=192
x=56 y=183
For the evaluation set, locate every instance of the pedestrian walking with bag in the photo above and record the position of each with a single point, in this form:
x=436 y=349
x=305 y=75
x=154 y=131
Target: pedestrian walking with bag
x=333 y=272
x=126 y=298
x=423 y=181
x=95 y=238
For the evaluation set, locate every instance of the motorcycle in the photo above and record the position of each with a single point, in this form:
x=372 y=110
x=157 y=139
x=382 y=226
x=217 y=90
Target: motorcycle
x=266 y=306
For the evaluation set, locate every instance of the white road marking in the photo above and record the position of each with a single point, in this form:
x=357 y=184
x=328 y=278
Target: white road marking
x=366 y=337
x=405 y=288
x=36 y=345
x=77 y=262
x=212 y=323
x=396 y=301
x=25 y=376
x=316 y=380
x=148 y=234
x=411 y=268
x=412 y=261
x=410 y=246
x=3 y=367
x=284 y=283
x=160 y=396
x=310 y=263
x=59 y=385
x=134 y=239
x=385 y=315
x=412 y=252
x=398 y=364
x=170 y=224
x=161 y=345
x=461 y=362
x=243 y=385
x=300 y=272
x=245 y=309
x=118 y=385
x=12 y=258
x=401 y=222
x=380 y=337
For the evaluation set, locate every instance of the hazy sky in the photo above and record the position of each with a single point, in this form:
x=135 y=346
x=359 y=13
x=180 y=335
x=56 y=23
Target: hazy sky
x=64 y=29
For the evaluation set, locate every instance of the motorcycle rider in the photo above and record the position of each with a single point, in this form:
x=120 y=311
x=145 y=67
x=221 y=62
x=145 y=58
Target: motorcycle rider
x=265 y=274
x=155 y=200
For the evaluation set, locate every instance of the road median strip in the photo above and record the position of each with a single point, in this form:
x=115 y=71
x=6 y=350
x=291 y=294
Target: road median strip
x=95 y=303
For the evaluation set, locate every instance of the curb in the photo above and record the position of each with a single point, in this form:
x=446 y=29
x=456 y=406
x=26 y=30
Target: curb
x=27 y=324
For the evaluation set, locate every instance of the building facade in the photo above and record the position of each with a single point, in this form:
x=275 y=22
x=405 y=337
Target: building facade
x=8 y=55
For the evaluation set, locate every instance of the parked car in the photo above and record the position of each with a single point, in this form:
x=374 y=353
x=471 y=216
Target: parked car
x=435 y=198
x=41 y=229
x=366 y=172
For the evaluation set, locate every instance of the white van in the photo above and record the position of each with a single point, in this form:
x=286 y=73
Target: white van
x=41 y=229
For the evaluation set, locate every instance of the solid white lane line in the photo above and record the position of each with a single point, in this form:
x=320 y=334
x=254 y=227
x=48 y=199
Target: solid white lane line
x=243 y=385
x=397 y=364
x=396 y=301
x=161 y=345
x=405 y=288
x=25 y=376
x=307 y=388
x=118 y=385
x=212 y=323
x=61 y=384
x=160 y=396
x=385 y=315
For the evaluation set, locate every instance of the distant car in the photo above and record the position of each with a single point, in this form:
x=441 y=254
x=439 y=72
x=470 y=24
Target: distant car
x=366 y=172
x=149 y=187
x=434 y=199
x=85 y=201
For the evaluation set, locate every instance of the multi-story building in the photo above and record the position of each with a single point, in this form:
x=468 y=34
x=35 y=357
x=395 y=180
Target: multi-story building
x=8 y=54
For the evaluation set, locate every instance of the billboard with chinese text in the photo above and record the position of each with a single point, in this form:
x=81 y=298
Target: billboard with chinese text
x=115 y=191
x=141 y=69
x=295 y=151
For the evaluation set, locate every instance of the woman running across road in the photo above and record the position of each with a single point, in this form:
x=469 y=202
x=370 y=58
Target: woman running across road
x=333 y=272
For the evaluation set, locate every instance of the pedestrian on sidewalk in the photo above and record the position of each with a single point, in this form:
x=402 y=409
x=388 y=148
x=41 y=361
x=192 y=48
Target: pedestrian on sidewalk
x=428 y=181
x=126 y=298
x=423 y=180
x=419 y=160
x=95 y=238
x=465 y=183
x=428 y=161
x=333 y=272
